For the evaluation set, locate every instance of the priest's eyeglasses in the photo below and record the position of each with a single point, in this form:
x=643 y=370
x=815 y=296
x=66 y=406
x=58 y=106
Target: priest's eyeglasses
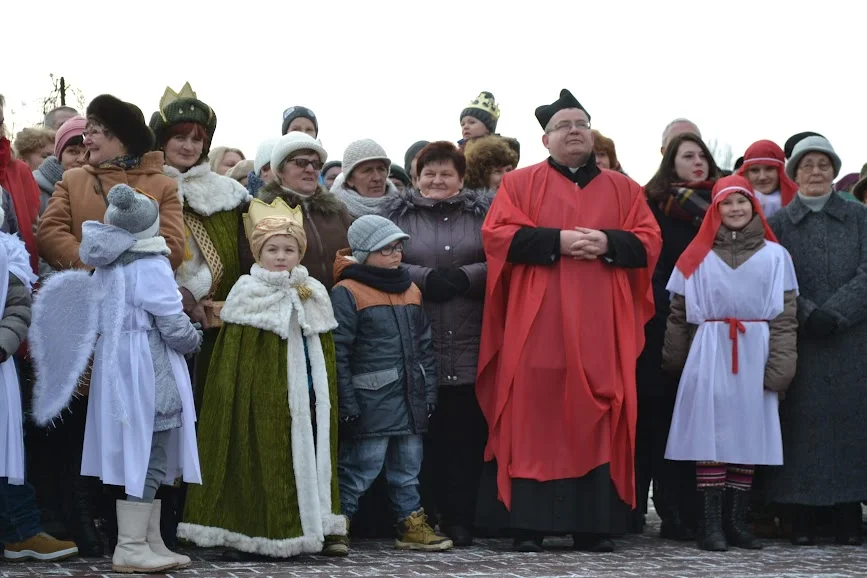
x=389 y=249
x=566 y=125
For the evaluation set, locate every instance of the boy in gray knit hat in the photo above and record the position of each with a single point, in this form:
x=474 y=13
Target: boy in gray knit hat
x=386 y=377
x=128 y=316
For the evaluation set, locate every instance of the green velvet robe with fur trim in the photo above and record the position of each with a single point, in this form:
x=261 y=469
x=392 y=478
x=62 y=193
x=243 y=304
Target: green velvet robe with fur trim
x=257 y=472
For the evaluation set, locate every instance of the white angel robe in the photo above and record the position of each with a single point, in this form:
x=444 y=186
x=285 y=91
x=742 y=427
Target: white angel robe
x=120 y=410
x=14 y=260
x=719 y=415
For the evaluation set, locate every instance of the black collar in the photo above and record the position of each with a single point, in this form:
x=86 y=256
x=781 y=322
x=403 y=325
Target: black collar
x=583 y=175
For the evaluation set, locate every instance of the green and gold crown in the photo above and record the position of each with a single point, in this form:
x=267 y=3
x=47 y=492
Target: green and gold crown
x=183 y=106
x=260 y=210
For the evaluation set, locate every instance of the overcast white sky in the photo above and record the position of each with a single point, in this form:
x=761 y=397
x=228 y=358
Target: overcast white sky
x=398 y=72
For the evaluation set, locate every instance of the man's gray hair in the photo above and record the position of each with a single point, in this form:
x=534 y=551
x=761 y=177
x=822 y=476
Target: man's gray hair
x=49 y=117
x=670 y=125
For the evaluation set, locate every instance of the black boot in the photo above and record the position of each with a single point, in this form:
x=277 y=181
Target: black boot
x=599 y=543
x=847 y=520
x=526 y=541
x=803 y=525
x=83 y=503
x=673 y=527
x=711 y=536
x=461 y=536
x=738 y=530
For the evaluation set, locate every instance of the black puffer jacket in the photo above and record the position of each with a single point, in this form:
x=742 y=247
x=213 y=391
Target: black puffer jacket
x=385 y=362
x=448 y=234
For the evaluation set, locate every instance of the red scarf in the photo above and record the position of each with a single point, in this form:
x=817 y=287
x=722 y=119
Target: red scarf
x=695 y=253
x=17 y=179
x=766 y=152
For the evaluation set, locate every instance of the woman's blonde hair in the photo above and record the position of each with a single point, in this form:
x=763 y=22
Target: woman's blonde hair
x=32 y=139
x=215 y=157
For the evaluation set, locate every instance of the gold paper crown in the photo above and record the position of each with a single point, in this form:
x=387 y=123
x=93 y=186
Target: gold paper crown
x=259 y=210
x=169 y=96
x=485 y=101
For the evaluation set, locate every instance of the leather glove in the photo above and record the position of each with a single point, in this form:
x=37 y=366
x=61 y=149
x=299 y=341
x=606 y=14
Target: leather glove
x=457 y=278
x=431 y=408
x=347 y=426
x=821 y=324
x=437 y=287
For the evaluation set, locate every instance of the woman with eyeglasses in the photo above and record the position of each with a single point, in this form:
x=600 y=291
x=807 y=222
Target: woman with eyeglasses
x=216 y=252
x=447 y=261
x=822 y=418
x=296 y=161
x=364 y=185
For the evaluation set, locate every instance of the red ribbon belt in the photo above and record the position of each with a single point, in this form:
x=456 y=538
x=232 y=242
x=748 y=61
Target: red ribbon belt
x=735 y=326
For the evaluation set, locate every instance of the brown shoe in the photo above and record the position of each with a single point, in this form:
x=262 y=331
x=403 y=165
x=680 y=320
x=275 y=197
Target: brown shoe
x=40 y=547
x=414 y=533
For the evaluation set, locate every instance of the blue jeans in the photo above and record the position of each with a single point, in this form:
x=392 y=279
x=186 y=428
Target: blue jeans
x=360 y=462
x=19 y=517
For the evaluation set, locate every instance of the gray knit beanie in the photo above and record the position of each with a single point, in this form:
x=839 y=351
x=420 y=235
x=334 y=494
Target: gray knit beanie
x=132 y=211
x=411 y=153
x=360 y=151
x=371 y=233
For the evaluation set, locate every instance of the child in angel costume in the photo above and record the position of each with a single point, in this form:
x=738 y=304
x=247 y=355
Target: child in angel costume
x=268 y=429
x=127 y=316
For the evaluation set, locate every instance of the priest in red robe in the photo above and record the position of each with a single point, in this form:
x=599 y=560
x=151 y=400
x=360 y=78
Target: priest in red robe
x=571 y=249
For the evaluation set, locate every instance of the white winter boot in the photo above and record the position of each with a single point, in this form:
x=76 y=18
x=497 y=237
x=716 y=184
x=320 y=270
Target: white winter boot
x=132 y=553
x=155 y=538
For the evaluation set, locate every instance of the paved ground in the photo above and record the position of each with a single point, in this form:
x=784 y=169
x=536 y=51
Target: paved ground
x=644 y=556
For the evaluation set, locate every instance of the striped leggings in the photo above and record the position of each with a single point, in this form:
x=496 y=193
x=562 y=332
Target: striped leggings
x=717 y=475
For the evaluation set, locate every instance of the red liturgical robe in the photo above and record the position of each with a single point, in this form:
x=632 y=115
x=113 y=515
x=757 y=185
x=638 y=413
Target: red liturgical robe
x=560 y=342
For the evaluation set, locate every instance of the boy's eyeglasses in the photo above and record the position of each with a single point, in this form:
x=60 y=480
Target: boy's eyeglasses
x=387 y=251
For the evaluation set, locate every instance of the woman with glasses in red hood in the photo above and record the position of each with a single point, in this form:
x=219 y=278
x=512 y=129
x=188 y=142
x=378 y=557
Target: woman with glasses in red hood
x=765 y=168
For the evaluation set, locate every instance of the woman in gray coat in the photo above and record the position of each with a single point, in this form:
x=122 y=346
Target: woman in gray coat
x=823 y=416
x=446 y=260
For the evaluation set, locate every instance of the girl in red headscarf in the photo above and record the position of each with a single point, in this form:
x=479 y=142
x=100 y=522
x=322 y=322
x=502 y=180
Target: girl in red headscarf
x=731 y=335
x=765 y=167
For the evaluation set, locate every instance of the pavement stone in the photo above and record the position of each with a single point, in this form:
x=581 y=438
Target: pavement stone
x=639 y=556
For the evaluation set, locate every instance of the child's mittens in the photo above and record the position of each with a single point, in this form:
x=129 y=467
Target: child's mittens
x=198 y=327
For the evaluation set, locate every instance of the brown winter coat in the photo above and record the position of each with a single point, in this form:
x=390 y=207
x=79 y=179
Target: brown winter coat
x=326 y=222
x=448 y=234
x=735 y=248
x=81 y=196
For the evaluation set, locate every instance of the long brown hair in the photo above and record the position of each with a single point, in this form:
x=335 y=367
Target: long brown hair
x=658 y=186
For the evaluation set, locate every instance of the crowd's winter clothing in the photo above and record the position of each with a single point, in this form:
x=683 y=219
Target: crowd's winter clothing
x=294 y=112
x=326 y=221
x=397 y=172
x=484 y=108
x=543 y=381
x=793 y=140
x=49 y=173
x=17 y=179
x=411 y=153
x=385 y=360
x=81 y=196
x=484 y=156
x=68 y=130
x=270 y=466
x=263 y=154
x=823 y=414
x=359 y=206
x=293 y=142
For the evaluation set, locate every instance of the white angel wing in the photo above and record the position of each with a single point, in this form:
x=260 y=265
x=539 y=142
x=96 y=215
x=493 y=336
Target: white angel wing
x=62 y=338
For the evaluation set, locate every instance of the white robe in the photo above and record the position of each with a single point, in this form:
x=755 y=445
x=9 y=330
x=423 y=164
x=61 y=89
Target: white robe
x=120 y=410
x=721 y=416
x=14 y=260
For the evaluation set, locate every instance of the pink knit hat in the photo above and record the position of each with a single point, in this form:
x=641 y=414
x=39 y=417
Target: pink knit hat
x=68 y=131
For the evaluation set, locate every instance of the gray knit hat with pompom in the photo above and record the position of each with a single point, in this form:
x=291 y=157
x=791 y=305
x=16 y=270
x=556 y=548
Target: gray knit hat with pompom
x=133 y=211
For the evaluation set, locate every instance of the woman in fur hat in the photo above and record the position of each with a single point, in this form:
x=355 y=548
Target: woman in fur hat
x=270 y=466
x=296 y=161
x=447 y=261
x=215 y=249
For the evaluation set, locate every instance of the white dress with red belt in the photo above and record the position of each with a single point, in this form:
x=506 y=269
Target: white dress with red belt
x=723 y=413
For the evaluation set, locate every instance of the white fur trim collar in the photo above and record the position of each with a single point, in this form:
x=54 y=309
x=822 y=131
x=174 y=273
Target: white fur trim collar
x=267 y=299
x=206 y=192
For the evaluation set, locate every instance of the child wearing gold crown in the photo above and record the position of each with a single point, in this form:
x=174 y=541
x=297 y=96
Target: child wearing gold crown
x=268 y=426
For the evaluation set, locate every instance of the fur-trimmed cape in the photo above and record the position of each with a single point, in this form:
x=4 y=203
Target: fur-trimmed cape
x=269 y=488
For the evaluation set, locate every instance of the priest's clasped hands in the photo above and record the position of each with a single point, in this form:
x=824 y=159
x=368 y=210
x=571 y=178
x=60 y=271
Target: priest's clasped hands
x=582 y=243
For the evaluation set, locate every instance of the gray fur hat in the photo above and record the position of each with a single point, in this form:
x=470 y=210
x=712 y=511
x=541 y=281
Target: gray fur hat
x=133 y=211
x=371 y=233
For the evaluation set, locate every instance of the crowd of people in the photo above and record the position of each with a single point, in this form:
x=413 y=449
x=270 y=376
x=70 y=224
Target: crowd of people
x=269 y=355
